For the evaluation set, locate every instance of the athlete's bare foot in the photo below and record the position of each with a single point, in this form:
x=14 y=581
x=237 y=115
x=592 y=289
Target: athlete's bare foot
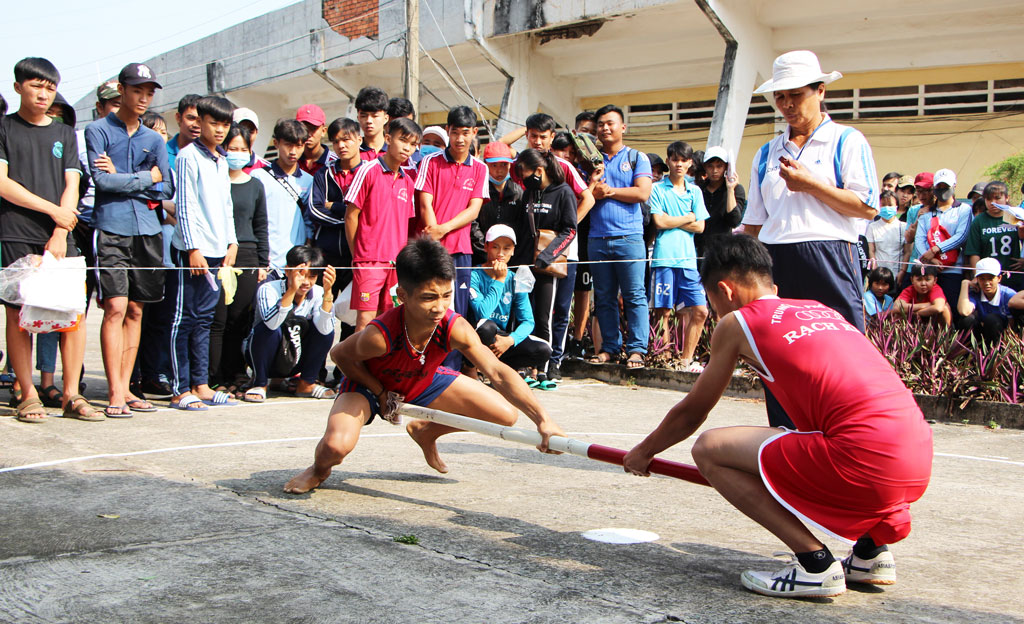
x=305 y=481
x=428 y=445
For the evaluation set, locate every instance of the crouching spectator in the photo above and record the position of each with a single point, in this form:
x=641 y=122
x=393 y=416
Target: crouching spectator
x=877 y=299
x=985 y=307
x=503 y=317
x=924 y=298
x=294 y=327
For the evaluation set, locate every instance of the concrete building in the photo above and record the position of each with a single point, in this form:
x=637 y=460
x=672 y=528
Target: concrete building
x=932 y=83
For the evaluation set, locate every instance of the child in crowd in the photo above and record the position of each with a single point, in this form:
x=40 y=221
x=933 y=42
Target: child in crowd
x=288 y=189
x=881 y=282
x=204 y=240
x=924 y=298
x=298 y=312
x=987 y=306
x=991 y=237
x=327 y=206
x=451 y=185
x=400 y=353
x=39 y=183
x=231 y=322
x=132 y=177
x=885 y=235
x=380 y=208
x=372 y=113
x=501 y=313
x=678 y=211
x=314 y=155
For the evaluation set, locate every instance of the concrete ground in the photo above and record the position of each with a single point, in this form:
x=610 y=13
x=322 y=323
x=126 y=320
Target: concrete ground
x=180 y=516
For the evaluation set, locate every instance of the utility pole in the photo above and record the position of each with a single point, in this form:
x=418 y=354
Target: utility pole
x=412 y=53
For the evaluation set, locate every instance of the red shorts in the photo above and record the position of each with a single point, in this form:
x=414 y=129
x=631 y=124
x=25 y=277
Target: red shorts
x=820 y=480
x=371 y=286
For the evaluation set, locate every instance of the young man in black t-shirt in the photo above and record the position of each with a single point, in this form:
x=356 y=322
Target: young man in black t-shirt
x=39 y=175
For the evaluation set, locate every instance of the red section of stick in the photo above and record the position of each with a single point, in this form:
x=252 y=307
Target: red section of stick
x=665 y=467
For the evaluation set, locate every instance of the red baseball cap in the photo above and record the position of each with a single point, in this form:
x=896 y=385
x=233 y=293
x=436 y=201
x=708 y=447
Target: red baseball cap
x=496 y=151
x=924 y=180
x=311 y=113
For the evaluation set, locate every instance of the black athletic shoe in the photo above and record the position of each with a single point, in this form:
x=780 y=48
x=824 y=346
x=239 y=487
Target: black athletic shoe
x=156 y=389
x=554 y=373
x=574 y=349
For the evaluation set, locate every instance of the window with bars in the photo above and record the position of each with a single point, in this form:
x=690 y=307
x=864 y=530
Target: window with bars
x=983 y=96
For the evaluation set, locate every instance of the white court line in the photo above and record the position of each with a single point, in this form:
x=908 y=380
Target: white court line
x=173 y=449
x=193 y=447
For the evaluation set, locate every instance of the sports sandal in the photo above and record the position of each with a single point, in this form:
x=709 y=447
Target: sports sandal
x=255 y=395
x=635 y=361
x=190 y=403
x=792 y=581
x=84 y=410
x=117 y=411
x=51 y=396
x=31 y=411
x=318 y=392
x=140 y=405
x=220 y=398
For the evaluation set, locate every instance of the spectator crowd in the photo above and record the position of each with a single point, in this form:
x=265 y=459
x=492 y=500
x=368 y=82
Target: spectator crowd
x=223 y=276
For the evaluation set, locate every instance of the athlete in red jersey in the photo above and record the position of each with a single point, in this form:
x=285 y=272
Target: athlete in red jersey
x=401 y=352
x=861 y=452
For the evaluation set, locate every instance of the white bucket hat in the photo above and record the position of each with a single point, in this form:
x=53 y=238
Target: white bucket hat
x=796 y=69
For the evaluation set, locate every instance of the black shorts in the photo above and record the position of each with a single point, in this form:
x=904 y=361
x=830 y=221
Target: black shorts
x=121 y=257
x=584 y=278
x=12 y=251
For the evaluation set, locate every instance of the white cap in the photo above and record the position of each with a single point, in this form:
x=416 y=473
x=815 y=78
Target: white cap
x=716 y=152
x=437 y=131
x=498 y=231
x=796 y=69
x=988 y=266
x=944 y=176
x=246 y=114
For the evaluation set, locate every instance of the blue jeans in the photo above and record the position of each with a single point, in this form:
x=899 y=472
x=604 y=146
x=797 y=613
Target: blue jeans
x=627 y=277
x=46 y=352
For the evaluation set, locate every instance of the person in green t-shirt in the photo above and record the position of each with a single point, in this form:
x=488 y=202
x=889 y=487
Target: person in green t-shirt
x=991 y=237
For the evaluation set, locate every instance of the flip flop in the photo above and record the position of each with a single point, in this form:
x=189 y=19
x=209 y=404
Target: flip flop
x=598 y=359
x=140 y=405
x=255 y=395
x=190 y=403
x=220 y=398
x=29 y=408
x=318 y=392
x=547 y=384
x=635 y=364
x=117 y=411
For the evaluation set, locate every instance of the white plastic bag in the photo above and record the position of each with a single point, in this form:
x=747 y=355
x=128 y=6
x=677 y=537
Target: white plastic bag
x=525 y=279
x=12 y=277
x=42 y=321
x=343 y=306
x=56 y=285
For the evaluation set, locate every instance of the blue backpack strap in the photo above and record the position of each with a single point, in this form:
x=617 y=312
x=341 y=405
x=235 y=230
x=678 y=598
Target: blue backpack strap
x=762 y=162
x=837 y=161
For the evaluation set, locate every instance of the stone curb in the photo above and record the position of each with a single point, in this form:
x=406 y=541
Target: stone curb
x=938 y=408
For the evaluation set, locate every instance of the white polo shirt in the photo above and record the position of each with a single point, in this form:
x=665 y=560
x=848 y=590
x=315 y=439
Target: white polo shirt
x=788 y=217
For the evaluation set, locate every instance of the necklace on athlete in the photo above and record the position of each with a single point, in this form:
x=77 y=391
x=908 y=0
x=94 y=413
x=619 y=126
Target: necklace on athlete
x=419 y=352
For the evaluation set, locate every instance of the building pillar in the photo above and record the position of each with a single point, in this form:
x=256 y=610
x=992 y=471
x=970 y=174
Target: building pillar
x=748 y=60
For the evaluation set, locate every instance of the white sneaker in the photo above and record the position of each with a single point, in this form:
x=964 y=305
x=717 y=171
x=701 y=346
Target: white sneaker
x=792 y=581
x=881 y=570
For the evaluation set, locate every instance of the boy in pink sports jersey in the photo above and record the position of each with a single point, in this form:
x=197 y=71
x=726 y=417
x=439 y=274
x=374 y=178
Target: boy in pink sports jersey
x=401 y=353
x=861 y=451
x=379 y=209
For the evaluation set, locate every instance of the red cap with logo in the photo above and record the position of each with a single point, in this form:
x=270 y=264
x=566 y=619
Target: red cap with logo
x=924 y=180
x=311 y=113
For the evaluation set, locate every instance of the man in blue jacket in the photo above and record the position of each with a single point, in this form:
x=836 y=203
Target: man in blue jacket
x=129 y=168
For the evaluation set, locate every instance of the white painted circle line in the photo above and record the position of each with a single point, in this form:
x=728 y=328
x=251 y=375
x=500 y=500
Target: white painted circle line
x=620 y=536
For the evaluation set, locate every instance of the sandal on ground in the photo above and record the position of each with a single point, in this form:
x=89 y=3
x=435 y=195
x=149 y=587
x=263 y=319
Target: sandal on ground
x=51 y=396
x=694 y=367
x=531 y=382
x=31 y=411
x=190 y=403
x=318 y=392
x=78 y=407
x=635 y=361
x=140 y=405
x=255 y=395
x=220 y=398
x=117 y=411
x=547 y=384
x=600 y=358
